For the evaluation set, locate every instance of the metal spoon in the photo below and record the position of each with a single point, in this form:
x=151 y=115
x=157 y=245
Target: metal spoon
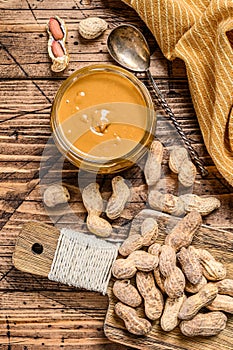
x=127 y=46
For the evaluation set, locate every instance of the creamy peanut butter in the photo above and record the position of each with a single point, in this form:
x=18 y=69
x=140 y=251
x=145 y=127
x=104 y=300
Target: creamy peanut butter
x=103 y=114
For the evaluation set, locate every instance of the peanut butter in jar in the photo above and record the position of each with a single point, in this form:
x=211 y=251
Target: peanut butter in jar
x=103 y=118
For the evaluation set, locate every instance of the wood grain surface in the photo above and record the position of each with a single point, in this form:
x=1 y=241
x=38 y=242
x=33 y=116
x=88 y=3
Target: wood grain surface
x=35 y=312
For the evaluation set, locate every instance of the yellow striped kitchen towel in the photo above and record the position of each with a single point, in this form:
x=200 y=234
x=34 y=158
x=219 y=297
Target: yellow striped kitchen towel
x=200 y=32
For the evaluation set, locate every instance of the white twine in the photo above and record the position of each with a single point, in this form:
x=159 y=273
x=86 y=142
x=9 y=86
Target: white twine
x=83 y=261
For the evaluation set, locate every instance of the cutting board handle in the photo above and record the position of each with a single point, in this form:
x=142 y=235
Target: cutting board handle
x=35 y=248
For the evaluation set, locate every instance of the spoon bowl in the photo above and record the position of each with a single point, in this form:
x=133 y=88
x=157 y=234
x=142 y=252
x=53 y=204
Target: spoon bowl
x=129 y=48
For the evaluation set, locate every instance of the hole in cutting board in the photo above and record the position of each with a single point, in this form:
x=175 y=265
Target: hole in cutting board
x=37 y=248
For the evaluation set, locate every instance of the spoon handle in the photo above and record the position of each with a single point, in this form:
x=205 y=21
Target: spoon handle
x=164 y=104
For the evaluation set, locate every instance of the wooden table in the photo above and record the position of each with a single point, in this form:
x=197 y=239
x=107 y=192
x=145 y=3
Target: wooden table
x=36 y=313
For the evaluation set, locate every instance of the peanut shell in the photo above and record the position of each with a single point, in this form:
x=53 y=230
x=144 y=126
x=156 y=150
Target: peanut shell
x=131 y=244
x=149 y=231
x=182 y=234
x=177 y=156
x=204 y=205
x=194 y=303
x=175 y=283
x=57 y=31
x=153 y=298
x=225 y=287
x=167 y=260
x=190 y=265
x=119 y=198
x=123 y=269
x=155 y=249
x=92 y=27
x=133 y=323
x=143 y=260
x=204 y=325
x=99 y=226
x=127 y=293
x=213 y=270
x=169 y=319
x=187 y=173
x=92 y=199
x=194 y=288
x=152 y=168
x=55 y=194
x=159 y=279
x=167 y=203
x=222 y=303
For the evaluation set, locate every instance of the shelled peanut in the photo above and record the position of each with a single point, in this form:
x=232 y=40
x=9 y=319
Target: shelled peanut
x=174 y=287
x=57 y=31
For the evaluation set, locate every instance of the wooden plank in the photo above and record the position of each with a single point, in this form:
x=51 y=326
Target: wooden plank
x=27 y=89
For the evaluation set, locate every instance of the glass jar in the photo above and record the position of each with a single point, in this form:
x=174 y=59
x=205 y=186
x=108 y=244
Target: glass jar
x=119 y=86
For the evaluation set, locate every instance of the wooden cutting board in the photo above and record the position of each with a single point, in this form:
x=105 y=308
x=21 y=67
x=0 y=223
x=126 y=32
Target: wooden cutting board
x=34 y=254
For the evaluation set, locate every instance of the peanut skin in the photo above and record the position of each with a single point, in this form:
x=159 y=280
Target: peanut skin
x=182 y=234
x=193 y=304
x=222 y=303
x=204 y=325
x=133 y=323
x=127 y=293
x=153 y=298
x=119 y=198
x=169 y=319
x=55 y=29
x=190 y=265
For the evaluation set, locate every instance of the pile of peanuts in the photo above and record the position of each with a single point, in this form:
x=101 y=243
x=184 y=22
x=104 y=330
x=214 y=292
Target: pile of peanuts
x=173 y=282
x=179 y=164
